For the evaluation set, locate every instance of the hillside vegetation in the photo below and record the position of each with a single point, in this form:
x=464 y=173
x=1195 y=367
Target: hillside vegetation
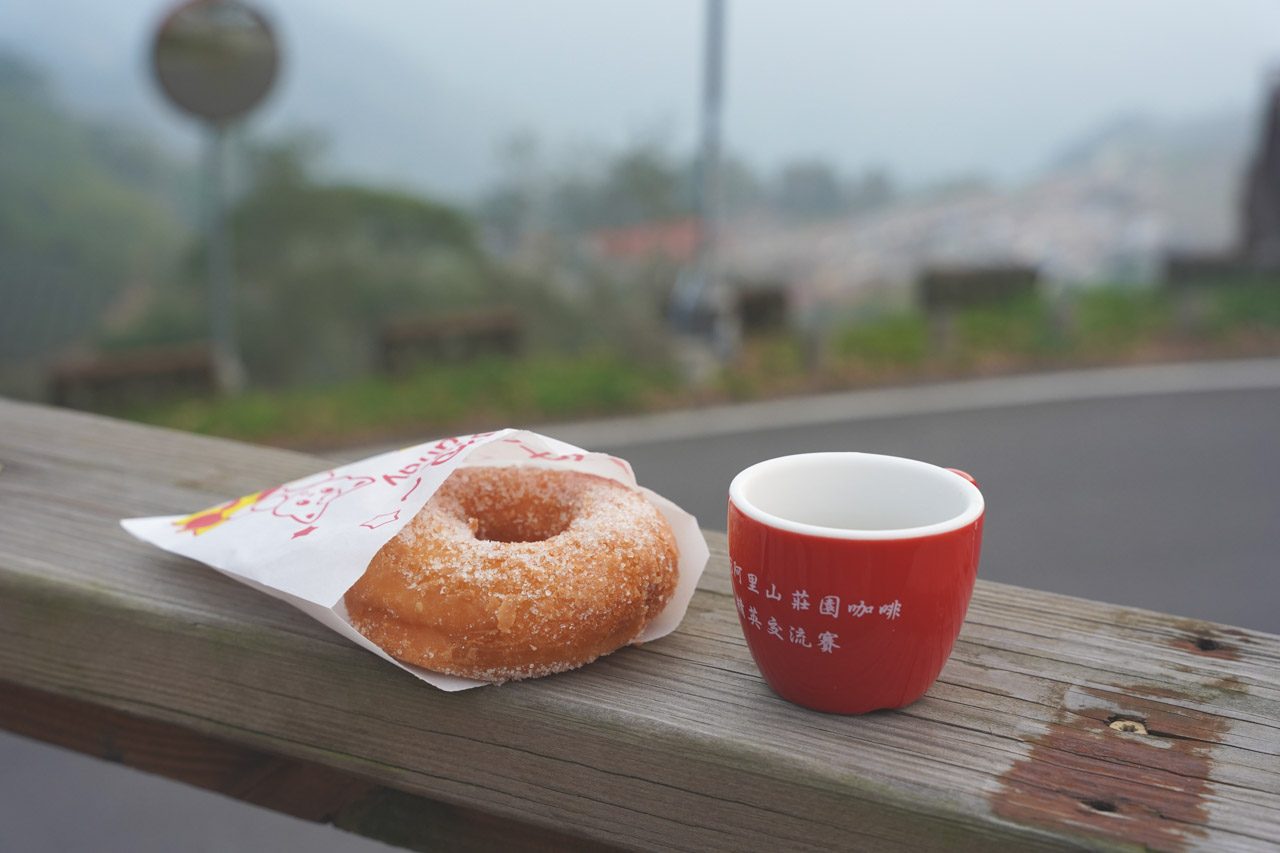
x=83 y=220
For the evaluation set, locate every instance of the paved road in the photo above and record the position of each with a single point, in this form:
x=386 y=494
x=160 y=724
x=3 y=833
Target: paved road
x=1167 y=502
x=1158 y=488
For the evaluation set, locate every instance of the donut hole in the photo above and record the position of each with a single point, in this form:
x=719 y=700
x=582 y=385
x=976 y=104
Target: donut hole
x=515 y=515
x=493 y=528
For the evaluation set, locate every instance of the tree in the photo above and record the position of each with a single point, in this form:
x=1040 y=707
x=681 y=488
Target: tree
x=76 y=232
x=319 y=267
x=873 y=191
x=641 y=183
x=809 y=189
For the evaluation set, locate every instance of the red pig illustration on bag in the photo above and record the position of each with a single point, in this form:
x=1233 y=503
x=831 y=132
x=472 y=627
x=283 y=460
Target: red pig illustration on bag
x=307 y=500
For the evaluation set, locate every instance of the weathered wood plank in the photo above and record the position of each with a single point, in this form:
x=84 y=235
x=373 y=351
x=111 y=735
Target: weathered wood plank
x=678 y=745
x=302 y=789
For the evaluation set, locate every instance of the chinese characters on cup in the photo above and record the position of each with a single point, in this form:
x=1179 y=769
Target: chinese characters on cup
x=827 y=605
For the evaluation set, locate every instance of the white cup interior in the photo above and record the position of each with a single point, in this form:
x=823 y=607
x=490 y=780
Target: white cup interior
x=856 y=496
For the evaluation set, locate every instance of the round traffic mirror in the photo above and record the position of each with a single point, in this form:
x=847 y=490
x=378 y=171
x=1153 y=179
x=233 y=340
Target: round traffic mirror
x=215 y=59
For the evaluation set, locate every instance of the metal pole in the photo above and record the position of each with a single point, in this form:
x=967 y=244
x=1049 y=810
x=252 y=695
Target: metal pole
x=228 y=370
x=726 y=331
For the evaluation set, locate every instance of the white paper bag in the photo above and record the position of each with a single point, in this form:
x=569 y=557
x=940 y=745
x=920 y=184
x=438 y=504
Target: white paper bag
x=306 y=542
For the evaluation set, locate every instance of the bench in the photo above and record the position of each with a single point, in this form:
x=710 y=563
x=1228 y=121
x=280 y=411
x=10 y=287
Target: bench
x=407 y=343
x=1058 y=723
x=943 y=289
x=942 y=292
x=1189 y=270
x=106 y=380
x=1192 y=281
x=763 y=307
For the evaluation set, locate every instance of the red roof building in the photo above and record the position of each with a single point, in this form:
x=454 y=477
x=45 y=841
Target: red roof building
x=675 y=240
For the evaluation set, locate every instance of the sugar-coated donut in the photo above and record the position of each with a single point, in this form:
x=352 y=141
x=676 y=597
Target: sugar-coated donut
x=517 y=572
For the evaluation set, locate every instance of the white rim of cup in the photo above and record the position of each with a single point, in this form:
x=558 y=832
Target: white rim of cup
x=974 y=507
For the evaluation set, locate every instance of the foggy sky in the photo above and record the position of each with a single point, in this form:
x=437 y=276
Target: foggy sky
x=928 y=89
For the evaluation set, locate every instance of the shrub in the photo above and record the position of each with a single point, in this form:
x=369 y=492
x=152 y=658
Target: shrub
x=896 y=340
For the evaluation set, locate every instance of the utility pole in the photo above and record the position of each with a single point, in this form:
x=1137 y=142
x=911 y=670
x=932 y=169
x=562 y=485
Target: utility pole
x=720 y=297
x=228 y=369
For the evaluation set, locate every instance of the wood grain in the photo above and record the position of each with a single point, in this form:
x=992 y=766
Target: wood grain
x=677 y=745
x=303 y=789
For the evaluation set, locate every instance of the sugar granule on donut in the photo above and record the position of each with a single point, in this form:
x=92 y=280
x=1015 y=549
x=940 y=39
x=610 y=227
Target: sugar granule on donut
x=518 y=572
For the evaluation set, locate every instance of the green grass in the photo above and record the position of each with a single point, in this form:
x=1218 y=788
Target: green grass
x=495 y=391
x=767 y=364
x=1247 y=306
x=896 y=340
x=1088 y=325
x=1019 y=328
x=1118 y=319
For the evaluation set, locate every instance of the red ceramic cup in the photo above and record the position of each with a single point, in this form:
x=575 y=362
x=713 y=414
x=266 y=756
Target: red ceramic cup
x=852 y=574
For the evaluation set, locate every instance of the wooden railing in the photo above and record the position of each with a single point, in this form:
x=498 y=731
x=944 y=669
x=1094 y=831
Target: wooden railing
x=1058 y=723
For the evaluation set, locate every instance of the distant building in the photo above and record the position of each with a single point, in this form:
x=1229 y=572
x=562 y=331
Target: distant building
x=675 y=241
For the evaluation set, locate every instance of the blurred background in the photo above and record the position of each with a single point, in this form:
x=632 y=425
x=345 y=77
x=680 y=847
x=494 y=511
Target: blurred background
x=451 y=216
